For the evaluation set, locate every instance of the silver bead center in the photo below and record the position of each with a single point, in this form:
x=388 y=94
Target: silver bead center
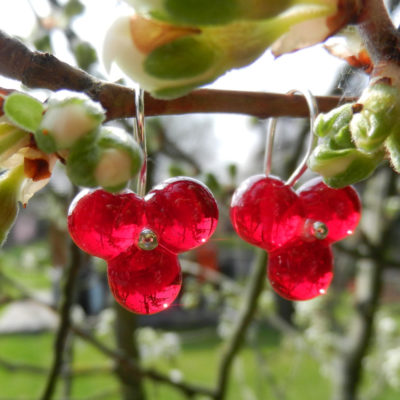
x=147 y=240
x=319 y=230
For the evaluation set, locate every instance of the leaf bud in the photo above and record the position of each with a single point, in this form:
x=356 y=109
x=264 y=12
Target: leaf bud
x=343 y=167
x=378 y=118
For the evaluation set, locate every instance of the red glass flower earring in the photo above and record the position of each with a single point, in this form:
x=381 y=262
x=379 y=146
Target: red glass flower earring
x=141 y=235
x=296 y=228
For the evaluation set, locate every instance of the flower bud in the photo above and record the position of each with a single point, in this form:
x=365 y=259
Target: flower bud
x=379 y=116
x=10 y=185
x=171 y=60
x=68 y=117
x=108 y=157
x=343 y=167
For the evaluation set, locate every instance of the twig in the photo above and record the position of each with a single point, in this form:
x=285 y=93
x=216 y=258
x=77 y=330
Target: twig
x=20 y=367
x=43 y=70
x=65 y=321
x=134 y=368
x=368 y=288
x=380 y=35
x=255 y=286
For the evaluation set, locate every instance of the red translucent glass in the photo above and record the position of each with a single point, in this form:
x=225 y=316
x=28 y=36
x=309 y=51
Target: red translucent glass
x=182 y=212
x=301 y=272
x=145 y=282
x=338 y=209
x=265 y=212
x=103 y=224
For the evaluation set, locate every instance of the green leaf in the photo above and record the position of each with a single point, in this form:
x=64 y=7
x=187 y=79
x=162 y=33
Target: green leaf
x=23 y=111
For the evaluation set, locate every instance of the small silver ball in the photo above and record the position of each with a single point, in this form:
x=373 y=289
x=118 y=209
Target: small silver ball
x=319 y=230
x=147 y=240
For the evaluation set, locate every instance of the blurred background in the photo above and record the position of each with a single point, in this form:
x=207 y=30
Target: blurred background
x=344 y=345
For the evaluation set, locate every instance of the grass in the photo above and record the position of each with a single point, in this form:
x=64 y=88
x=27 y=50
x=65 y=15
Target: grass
x=198 y=362
x=266 y=369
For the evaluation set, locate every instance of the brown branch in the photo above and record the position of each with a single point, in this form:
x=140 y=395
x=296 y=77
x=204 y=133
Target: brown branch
x=118 y=356
x=378 y=32
x=234 y=343
x=43 y=70
x=369 y=282
x=134 y=368
x=65 y=321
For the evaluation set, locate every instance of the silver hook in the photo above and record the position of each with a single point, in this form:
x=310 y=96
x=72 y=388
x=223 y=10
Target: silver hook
x=140 y=136
x=313 y=107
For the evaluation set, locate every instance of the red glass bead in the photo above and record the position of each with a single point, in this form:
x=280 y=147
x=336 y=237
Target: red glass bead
x=265 y=212
x=301 y=272
x=102 y=223
x=145 y=282
x=338 y=209
x=182 y=212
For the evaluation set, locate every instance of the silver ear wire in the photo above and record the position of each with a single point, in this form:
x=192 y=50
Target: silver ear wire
x=313 y=108
x=140 y=136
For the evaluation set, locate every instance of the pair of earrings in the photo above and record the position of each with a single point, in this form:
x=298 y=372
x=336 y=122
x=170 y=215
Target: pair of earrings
x=297 y=227
x=141 y=235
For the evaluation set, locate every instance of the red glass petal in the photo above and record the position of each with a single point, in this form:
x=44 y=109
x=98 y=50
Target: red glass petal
x=145 y=282
x=301 y=272
x=338 y=209
x=183 y=213
x=105 y=224
x=265 y=212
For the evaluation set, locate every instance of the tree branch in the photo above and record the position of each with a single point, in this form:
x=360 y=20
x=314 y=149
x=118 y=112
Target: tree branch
x=255 y=286
x=65 y=321
x=135 y=369
x=43 y=70
x=378 y=32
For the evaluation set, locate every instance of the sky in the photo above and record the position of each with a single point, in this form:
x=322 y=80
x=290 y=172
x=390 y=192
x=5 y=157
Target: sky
x=311 y=68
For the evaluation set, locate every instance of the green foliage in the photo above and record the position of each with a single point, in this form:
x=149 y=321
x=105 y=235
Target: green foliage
x=23 y=111
x=356 y=136
x=378 y=118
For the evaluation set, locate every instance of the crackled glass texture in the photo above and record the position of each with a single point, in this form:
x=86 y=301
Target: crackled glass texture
x=181 y=212
x=145 y=282
x=338 y=209
x=265 y=212
x=177 y=216
x=301 y=272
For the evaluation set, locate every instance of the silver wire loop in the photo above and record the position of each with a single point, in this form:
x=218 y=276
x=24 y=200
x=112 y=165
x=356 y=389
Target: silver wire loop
x=313 y=108
x=140 y=137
